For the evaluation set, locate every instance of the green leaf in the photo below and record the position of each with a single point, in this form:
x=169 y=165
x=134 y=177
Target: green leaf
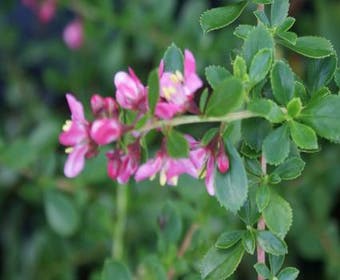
x=248 y=212
x=320 y=72
x=271 y=243
x=232 y=187
x=173 y=59
x=61 y=213
x=337 y=77
x=276 y=145
x=279 y=11
x=262 y=197
x=300 y=91
x=243 y=30
x=170 y=223
x=230 y=93
x=262 y=1
x=152 y=269
x=275 y=263
x=220 y=17
x=240 y=68
x=278 y=207
x=203 y=100
x=289 y=37
x=262 y=17
x=289 y=273
x=290 y=169
x=259 y=38
x=262 y=270
x=286 y=24
x=260 y=65
x=216 y=74
x=268 y=109
x=176 y=144
x=248 y=241
x=209 y=135
x=220 y=264
x=311 y=46
x=294 y=107
x=254 y=167
x=282 y=79
x=153 y=90
x=303 y=136
x=254 y=131
x=115 y=270
x=228 y=239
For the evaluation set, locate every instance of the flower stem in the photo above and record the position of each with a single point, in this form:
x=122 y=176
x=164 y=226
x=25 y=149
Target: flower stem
x=119 y=227
x=261 y=224
x=196 y=119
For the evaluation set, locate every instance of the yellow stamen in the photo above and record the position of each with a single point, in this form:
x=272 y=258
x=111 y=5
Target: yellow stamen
x=174 y=180
x=67 y=125
x=168 y=92
x=202 y=173
x=162 y=178
x=177 y=77
x=68 y=150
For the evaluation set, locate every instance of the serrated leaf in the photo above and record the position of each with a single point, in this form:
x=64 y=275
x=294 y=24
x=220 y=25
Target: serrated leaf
x=248 y=213
x=262 y=270
x=173 y=59
x=248 y=242
x=260 y=65
x=271 y=243
x=259 y=38
x=268 y=109
x=231 y=188
x=289 y=37
x=242 y=31
x=240 y=68
x=303 y=136
x=289 y=273
x=286 y=24
x=278 y=207
x=254 y=167
x=220 y=17
x=262 y=197
x=176 y=144
x=300 y=91
x=276 y=145
x=254 y=131
x=282 y=79
x=61 y=213
x=153 y=90
x=279 y=11
x=230 y=93
x=311 y=46
x=115 y=270
x=275 y=263
x=216 y=74
x=220 y=264
x=262 y=17
x=228 y=239
x=290 y=169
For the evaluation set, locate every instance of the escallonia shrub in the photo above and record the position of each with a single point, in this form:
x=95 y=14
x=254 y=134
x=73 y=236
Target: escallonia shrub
x=279 y=116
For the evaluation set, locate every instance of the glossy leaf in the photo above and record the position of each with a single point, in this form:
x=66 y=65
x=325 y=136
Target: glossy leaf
x=303 y=136
x=294 y=107
x=279 y=11
x=220 y=17
x=153 y=90
x=290 y=169
x=271 y=243
x=228 y=239
x=268 y=109
x=262 y=197
x=276 y=263
x=289 y=37
x=260 y=65
x=176 y=144
x=216 y=74
x=173 y=59
x=240 y=68
x=289 y=273
x=254 y=131
x=248 y=241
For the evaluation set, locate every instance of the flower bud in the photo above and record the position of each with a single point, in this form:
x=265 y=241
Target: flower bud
x=222 y=161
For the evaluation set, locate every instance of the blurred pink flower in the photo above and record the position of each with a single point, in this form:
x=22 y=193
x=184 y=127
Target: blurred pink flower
x=177 y=91
x=104 y=107
x=73 y=34
x=106 y=130
x=44 y=9
x=75 y=135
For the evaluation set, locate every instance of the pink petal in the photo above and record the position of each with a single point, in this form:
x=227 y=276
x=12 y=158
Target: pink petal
x=166 y=110
x=198 y=157
x=149 y=169
x=105 y=130
x=174 y=168
x=73 y=35
x=113 y=164
x=193 y=83
x=189 y=64
x=75 y=161
x=76 y=134
x=76 y=108
x=209 y=179
x=161 y=68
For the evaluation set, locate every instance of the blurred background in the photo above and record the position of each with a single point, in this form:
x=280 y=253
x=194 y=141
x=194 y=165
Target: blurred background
x=52 y=227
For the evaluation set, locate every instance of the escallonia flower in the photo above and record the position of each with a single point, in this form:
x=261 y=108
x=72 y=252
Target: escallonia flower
x=207 y=158
x=177 y=90
x=76 y=136
x=131 y=94
x=169 y=168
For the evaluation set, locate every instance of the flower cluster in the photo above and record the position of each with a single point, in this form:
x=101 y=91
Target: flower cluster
x=111 y=127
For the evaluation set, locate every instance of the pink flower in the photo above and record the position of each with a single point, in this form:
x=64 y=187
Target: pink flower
x=73 y=34
x=168 y=168
x=47 y=10
x=104 y=107
x=177 y=91
x=207 y=158
x=75 y=135
x=130 y=94
x=122 y=166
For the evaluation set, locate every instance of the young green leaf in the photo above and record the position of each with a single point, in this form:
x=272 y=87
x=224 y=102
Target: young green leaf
x=240 y=68
x=153 y=90
x=275 y=263
x=173 y=59
x=228 y=239
x=220 y=17
x=176 y=144
x=216 y=74
x=294 y=107
x=262 y=270
x=286 y=24
x=279 y=11
x=220 y=264
x=271 y=243
x=248 y=241
x=232 y=187
x=242 y=31
x=276 y=145
x=278 y=207
x=290 y=169
x=262 y=197
x=115 y=270
x=228 y=96
x=260 y=65
x=289 y=273
x=300 y=91
x=303 y=136
x=289 y=37
x=282 y=79
x=268 y=109
x=311 y=46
